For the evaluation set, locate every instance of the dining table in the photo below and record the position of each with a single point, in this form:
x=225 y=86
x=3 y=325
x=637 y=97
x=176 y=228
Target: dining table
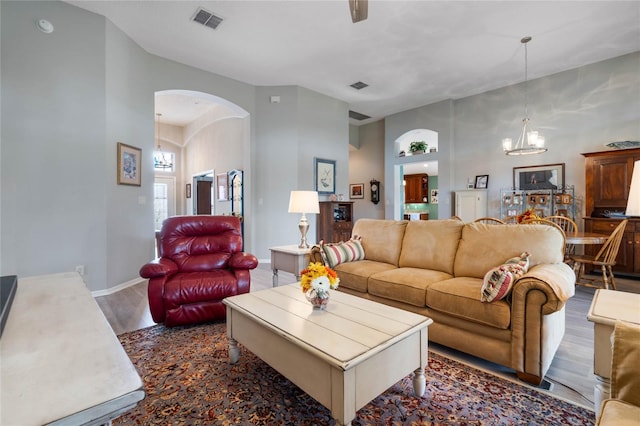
x=586 y=238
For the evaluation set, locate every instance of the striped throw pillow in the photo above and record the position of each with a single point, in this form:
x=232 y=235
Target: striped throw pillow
x=348 y=251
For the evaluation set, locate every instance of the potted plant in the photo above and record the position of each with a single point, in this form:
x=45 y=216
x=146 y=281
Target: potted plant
x=418 y=147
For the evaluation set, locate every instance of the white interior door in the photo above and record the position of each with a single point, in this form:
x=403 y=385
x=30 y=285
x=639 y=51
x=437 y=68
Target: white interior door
x=164 y=199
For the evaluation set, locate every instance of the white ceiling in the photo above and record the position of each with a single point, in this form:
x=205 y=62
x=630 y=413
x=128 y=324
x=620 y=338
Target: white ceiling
x=411 y=53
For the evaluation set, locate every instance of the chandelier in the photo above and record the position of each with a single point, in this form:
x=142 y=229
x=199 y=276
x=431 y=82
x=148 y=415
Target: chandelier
x=159 y=160
x=529 y=141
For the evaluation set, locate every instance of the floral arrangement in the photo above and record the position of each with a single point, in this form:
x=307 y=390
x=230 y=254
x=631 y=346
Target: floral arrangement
x=526 y=215
x=318 y=277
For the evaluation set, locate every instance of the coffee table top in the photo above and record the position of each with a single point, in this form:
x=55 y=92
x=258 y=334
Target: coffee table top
x=348 y=331
x=608 y=306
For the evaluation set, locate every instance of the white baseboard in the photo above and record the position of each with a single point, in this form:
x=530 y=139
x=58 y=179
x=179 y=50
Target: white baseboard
x=117 y=288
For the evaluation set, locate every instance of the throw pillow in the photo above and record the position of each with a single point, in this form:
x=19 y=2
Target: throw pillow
x=342 y=252
x=499 y=281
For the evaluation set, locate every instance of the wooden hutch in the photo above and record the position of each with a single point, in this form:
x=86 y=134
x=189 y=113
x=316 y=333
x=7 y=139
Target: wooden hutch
x=608 y=179
x=335 y=221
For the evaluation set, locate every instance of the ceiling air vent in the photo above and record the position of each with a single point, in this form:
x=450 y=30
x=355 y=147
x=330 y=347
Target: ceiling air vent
x=359 y=85
x=206 y=18
x=357 y=115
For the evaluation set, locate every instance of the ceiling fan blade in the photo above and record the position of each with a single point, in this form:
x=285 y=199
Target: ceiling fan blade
x=359 y=9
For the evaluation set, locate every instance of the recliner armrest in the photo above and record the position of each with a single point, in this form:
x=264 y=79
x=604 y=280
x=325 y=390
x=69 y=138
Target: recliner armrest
x=159 y=267
x=243 y=261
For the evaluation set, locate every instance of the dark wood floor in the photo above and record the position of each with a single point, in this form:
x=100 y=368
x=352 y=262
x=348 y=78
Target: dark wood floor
x=570 y=375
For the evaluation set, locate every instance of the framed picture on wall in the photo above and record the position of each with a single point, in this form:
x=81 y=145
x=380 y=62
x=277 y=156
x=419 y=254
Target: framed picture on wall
x=129 y=162
x=547 y=176
x=356 y=190
x=188 y=191
x=482 y=182
x=324 y=176
x=434 y=196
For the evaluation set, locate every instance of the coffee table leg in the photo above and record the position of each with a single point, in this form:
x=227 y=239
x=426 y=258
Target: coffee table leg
x=234 y=351
x=419 y=382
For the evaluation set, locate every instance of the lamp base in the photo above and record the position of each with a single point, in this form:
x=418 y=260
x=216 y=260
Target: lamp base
x=303 y=226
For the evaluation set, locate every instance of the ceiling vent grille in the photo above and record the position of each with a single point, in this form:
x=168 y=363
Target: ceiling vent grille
x=357 y=115
x=206 y=18
x=359 y=85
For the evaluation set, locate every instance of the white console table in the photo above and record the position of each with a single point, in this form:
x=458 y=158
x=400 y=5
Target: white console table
x=607 y=307
x=61 y=361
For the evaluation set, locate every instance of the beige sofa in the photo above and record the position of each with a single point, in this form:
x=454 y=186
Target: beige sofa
x=436 y=268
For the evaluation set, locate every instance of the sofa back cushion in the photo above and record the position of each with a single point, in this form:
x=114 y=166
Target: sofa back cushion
x=483 y=246
x=200 y=243
x=431 y=244
x=381 y=239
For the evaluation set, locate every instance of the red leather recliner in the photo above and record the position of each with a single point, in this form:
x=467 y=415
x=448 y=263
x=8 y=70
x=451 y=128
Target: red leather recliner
x=201 y=262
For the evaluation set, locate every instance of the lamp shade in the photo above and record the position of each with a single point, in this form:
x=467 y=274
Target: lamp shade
x=304 y=202
x=633 y=203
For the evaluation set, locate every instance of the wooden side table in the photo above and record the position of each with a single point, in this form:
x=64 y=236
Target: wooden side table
x=607 y=307
x=289 y=259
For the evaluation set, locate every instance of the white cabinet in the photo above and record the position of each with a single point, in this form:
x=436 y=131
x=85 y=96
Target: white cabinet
x=471 y=204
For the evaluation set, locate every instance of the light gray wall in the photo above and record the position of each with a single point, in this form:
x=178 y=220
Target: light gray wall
x=290 y=134
x=578 y=111
x=367 y=163
x=54 y=208
x=438 y=117
x=70 y=96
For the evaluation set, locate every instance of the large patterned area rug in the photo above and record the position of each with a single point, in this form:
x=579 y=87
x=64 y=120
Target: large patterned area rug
x=189 y=381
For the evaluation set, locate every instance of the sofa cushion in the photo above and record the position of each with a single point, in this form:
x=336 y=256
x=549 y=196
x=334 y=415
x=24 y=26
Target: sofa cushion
x=497 y=243
x=355 y=275
x=615 y=412
x=407 y=285
x=381 y=239
x=459 y=297
x=348 y=251
x=497 y=283
x=431 y=244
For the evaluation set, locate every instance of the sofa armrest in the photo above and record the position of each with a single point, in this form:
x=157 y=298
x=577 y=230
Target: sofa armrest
x=557 y=281
x=159 y=267
x=243 y=261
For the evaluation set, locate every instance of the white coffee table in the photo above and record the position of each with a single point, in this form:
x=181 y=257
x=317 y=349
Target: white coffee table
x=343 y=357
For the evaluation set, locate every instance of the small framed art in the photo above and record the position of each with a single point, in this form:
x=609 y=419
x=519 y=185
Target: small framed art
x=356 y=190
x=188 y=191
x=129 y=161
x=482 y=182
x=325 y=176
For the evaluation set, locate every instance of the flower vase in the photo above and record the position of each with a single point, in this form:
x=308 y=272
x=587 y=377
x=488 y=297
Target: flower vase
x=318 y=299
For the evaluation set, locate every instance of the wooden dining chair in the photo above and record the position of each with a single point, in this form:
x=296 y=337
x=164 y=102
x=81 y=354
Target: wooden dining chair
x=569 y=227
x=566 y=223
x=490 y=221
x=605 y=259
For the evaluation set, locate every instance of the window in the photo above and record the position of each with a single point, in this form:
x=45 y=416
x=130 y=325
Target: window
x=163 y=161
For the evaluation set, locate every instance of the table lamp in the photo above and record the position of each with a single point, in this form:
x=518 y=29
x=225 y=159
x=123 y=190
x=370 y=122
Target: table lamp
x=304 y=202
x=633 y=203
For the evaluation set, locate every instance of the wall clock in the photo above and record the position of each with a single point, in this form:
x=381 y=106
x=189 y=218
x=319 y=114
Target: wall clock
x=375 y=191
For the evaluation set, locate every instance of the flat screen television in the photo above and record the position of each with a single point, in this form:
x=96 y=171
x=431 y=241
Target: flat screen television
x=8 y=286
